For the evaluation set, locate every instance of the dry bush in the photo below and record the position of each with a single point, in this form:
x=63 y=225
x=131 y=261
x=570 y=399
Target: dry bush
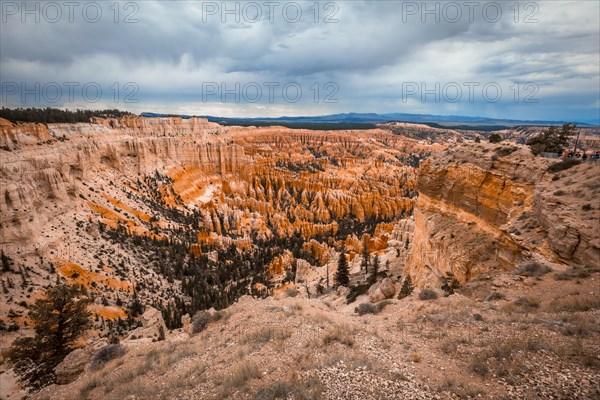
x=576 y=272
x=479 y=366
x=291 y=292
x=200 y=321
x=448 y=346
x=266 y=334
x=533 y=269
x=241 y=374
x=106 y=354
x=87 y=387
x=277 y=390
x=504 y=151
x=461 y=387
x=343 y=334
x=366 y=308
x=574 y=303
x=416 y=357
x=522 y=304
x=295 y=307
x=495 y=296
x=427 y=294
x=310 y=388
x=563 y=165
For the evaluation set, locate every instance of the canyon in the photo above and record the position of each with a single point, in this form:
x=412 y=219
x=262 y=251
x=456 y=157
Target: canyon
x=184 y=215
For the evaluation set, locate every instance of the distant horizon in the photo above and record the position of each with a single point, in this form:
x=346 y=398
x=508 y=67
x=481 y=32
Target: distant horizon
x=457 y=117
x=586 y=122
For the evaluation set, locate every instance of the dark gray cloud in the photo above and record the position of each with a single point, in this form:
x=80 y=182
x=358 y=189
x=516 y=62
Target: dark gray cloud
x=370 y=51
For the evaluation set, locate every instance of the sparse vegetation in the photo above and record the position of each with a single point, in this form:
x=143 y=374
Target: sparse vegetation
x=200 y=320
x=343 y=334
x=479 y=366
x=576 y=272
x=533 y=269
x=416 y=357
x=368 y=308
x=406 y=289
x=356 y=291
x=59 y=319
x=505 y=151
x=342 y=277
x=527 y=304
x=310 y=388
x=427 y=294
x=574 y=303
x=450 y=284
x=495 y=138
x=241 y=374
x=267 y=333
x=563 y=165
x=552 y=140
x=495 y=296
x=106 y=354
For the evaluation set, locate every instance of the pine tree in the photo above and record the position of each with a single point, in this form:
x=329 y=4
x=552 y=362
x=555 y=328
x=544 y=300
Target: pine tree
x=59 y=320
x=374 y=270
x=450 y=284
x=406 y=289
x=342 y=277
x=7 y=262
x=365 y=255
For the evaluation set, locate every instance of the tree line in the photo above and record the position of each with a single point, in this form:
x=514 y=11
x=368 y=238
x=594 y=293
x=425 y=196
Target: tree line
x=54 y=115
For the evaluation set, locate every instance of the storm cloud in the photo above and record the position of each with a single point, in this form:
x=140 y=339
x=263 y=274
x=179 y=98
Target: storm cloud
x=526 y=60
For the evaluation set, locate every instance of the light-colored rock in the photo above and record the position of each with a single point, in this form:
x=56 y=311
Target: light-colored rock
x=382 y=290
x=186 y=321
x=72 y=366
x=303 y=269
x=10 y=387
x=152 y=323
x=479 y=212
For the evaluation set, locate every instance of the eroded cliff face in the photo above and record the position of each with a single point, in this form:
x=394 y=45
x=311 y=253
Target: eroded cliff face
x=44 y=168
x=482 y=208
x=154 y=203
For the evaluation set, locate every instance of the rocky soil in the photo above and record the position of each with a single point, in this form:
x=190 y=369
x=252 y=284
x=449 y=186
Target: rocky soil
x=461 y=346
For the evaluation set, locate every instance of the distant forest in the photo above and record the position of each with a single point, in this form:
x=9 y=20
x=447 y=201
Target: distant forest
x=54 y=115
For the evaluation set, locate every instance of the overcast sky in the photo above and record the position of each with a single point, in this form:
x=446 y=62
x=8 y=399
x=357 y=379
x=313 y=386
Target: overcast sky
x=525 y=60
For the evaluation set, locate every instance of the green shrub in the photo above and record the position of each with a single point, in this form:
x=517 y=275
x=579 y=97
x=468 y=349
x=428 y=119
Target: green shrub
x=495 y=138
x=406 y=289
x=356 y=291
x=450 y=284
